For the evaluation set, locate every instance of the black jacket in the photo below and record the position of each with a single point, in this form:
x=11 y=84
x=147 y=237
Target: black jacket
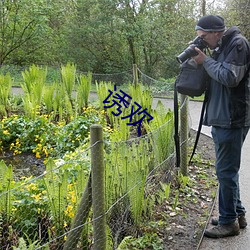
x=229 y=90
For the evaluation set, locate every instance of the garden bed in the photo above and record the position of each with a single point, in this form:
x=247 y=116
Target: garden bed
x=186 y=224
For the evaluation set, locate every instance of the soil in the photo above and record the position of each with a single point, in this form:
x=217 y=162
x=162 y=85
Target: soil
x=25 y=164
x=186 y=223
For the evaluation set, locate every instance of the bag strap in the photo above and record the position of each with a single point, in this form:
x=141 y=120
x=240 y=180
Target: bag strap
x=176 y=126
x=199 y=127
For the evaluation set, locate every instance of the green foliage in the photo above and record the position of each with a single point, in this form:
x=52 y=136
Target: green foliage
x=142 y=95
x=56 y=183
x=23 y=28
x=6 y=184
x=161 y=129
x=103 y=36
x=5 y=90
x=126 y=172
x=68 y=74
x=164 y=192
x=147 y=241
x=102 y=89
x=48 y=98
x=184 y=181
x=128 y=161
x=83 y=90
x=29 y=245
x=30 y=206
x=43 y=137
x=34 y=81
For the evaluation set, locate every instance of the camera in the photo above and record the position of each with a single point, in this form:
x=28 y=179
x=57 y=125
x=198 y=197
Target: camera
x=190 y=51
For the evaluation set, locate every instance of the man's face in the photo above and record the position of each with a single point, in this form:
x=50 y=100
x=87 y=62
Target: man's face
x=211 y=38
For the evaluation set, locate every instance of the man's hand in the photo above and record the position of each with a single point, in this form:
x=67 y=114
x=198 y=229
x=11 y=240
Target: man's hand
x=200 y=58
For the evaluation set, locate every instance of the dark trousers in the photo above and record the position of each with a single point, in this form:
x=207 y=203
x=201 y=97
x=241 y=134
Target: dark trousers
x=228 y=145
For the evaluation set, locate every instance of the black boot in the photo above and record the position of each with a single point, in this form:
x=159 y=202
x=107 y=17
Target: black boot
x=221 y=231
x=241 y=219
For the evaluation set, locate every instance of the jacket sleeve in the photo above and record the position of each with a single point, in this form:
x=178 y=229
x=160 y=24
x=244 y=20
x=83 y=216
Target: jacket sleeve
x=234 y=66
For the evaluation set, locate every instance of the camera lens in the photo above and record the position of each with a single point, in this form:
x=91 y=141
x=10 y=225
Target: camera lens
x=187 y=53
x=190 y=51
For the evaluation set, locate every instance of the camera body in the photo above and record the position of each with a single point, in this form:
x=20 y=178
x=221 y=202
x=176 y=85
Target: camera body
x=190 y=51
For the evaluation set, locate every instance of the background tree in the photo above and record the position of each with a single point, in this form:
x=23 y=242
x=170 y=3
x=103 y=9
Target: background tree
x=21 y=26
x=237 y=13
x=104 y=36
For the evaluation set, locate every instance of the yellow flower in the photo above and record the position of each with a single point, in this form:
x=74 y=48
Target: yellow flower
x=37 y=196
x=45 y=151
x=69 y=211
x=31 y=187
x=73 y=199
x=38 y=156
x=14 y=209
x=6 y=132
x=16 y=152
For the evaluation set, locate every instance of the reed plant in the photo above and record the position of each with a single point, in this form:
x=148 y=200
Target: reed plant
x=142 y=95
x=126 y=172
x=68 y=75
x=83 y=90
x=5 y=90
x=102 y=89
x=62 y=106
x=6 y=197
x=56 y=184
x=34 y=80
x=161 y=132
x=48 y=97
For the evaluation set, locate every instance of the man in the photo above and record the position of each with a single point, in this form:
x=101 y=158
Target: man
x=228 y=112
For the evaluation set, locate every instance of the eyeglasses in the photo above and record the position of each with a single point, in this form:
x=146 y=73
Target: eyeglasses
x=203 y=36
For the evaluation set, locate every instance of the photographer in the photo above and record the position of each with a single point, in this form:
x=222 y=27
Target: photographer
x=228 y=112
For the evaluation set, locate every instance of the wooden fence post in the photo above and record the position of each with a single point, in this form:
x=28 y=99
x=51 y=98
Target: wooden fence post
x=80 y=218
x=135 y=74
x=98 y=195
x=184 y=135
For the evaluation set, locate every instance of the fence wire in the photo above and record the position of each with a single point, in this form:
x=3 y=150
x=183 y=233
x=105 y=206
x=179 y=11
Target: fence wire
x=45 y=209
x=41 y=210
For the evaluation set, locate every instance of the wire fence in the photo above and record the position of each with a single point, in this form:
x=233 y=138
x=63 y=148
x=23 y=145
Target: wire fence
x=160 y=87
x=55 y=210
x=42 y=209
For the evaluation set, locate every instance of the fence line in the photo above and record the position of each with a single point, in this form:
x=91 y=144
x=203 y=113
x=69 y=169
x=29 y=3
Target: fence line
x=119 y=210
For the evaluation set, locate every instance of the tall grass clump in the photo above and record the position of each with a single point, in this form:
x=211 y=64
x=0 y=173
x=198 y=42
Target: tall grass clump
x=127 y=168
x=48 y=97
x=68 y=74
x=83 y=91
x=160 y=131
x=141 y=95
x=34 y=80
x=5 y=90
